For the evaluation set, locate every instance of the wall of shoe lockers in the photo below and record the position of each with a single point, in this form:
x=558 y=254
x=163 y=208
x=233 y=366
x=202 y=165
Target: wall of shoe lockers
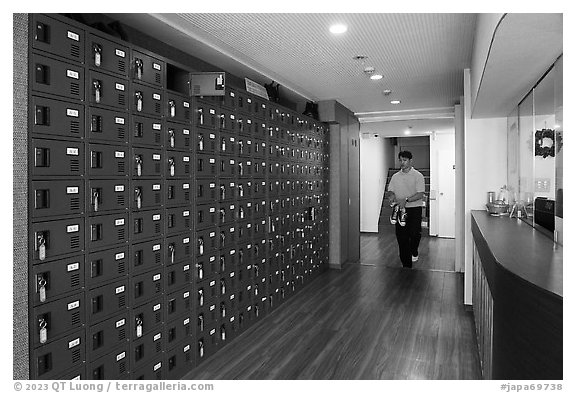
x=161 y=225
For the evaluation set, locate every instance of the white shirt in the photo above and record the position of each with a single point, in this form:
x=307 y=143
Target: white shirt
x=406 y=184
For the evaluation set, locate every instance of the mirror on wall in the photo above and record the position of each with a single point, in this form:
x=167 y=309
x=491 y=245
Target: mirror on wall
x=535 y=150
x=525 y=190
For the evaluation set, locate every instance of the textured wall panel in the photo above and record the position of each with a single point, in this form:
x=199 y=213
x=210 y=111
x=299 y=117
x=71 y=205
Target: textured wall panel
x=20 y=195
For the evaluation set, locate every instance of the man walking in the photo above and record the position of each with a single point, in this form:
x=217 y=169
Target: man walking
x=407 y=186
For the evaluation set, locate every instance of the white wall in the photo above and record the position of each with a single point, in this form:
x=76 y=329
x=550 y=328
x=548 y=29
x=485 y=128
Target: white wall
x=485 y=170
x=374 y=158
x=438 y=141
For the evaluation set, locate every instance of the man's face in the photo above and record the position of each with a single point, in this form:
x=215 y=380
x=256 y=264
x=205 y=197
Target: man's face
x=405 y=163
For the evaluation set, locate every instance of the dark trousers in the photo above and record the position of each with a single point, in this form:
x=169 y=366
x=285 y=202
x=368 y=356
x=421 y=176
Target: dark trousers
x=409 y=236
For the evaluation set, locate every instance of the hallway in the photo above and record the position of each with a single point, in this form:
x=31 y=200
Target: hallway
x=364 y=322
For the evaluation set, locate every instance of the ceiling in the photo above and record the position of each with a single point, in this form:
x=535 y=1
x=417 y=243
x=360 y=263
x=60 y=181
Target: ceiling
x=421 y=56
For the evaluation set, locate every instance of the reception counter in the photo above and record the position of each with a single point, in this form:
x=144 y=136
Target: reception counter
x=518 y=292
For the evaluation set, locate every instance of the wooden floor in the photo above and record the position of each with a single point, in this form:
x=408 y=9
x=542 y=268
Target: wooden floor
x=363 y=322
x=381 y=249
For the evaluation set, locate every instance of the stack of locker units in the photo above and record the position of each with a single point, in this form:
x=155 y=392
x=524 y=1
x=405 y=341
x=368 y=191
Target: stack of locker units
x=161 y=225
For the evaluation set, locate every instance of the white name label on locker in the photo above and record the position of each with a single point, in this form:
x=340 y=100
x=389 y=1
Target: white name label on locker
x=186 y=321
x=72 y=228
x=71 y=190
x=212 y=185
x=212 y=136
x=185 y=213
x=73 y=36
x=156 y=157
x=119 y=188
x=155 y=187
x=74 y=343
x=156 y=66
x=157 y=307
x=72 y=74
x=186 y=348
x=212 y=307
x=212 y=332
x=119 y=154
x=119 y=222
x=212 y=283
x=212 y=259
x=156 y=96
x=186 y=294
x=157 y=366
x=155 y=217
x=156 y=277
x=72 y=267
x=120 y=289
x=186 y=159
x=71 y=112
x=120 y=356
x=186 y=268
x=158 y=337
x=186 y=104
x=185 y=131
x=156 y=247
x=212 y=112
x=186 y=240
x=73 y=305
x=120 y=323
x=212 y=234
x=72 y=151
x=119 y=120
x=120 y=53
x=157 y=126
x=212 y=160
x=119 y=256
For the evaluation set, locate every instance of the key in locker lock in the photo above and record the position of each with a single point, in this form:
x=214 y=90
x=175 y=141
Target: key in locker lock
x=139 y=68
x=97 y=51
x=97 y=89
x=172 y=106
x=139 y=100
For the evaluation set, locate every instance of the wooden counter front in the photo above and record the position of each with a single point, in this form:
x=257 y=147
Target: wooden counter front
x=523 y=269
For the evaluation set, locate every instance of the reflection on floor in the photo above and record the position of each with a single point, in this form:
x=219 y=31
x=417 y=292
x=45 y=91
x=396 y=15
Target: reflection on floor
x=363 y=322
x=381 y=249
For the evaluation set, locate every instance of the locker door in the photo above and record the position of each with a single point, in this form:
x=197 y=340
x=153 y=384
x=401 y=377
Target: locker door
x=147 y=69
x=56 y=158
x=105 y=266
x=178 y=136
x=107 y=126
x=107 y=90
x=105 y=196
x=57 y=118
x=52 y=280
x=107 y=160
x=56 y=358
x=146 y=100
x=103 y=337
x=52 y=320
x=178 y=108
x=56 y=77
x=57 y=198
x=107 y=230
x=107 y=55
x=146 y=131
x=53 y=239
x=56 y=37
x=177 y=192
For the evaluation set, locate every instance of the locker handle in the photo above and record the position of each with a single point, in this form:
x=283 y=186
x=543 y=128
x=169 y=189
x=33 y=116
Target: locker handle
x=138 y=289
x=139 y=352
x=42 y=157
x=95 y=232
x=44 y=363
x=200 y=216
x=97 y=340
x=42 y=115
x=42 y=73
x=96 y=124
x=139 y=130
x=96 y=160
x=42 y=200
x=96 y=268
x=97 y=304
x=42 y=33
x=98 y=373
x=171 y=334
x=170 y=192
x=138 y=258
x=200 y=191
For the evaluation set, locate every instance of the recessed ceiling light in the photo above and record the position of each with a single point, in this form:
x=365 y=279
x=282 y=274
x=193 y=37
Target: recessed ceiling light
x=395 y=102
x=338 y=28
x=376 y=77
x=407 y=132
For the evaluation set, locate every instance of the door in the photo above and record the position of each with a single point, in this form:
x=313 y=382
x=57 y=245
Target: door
x=446 y=194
